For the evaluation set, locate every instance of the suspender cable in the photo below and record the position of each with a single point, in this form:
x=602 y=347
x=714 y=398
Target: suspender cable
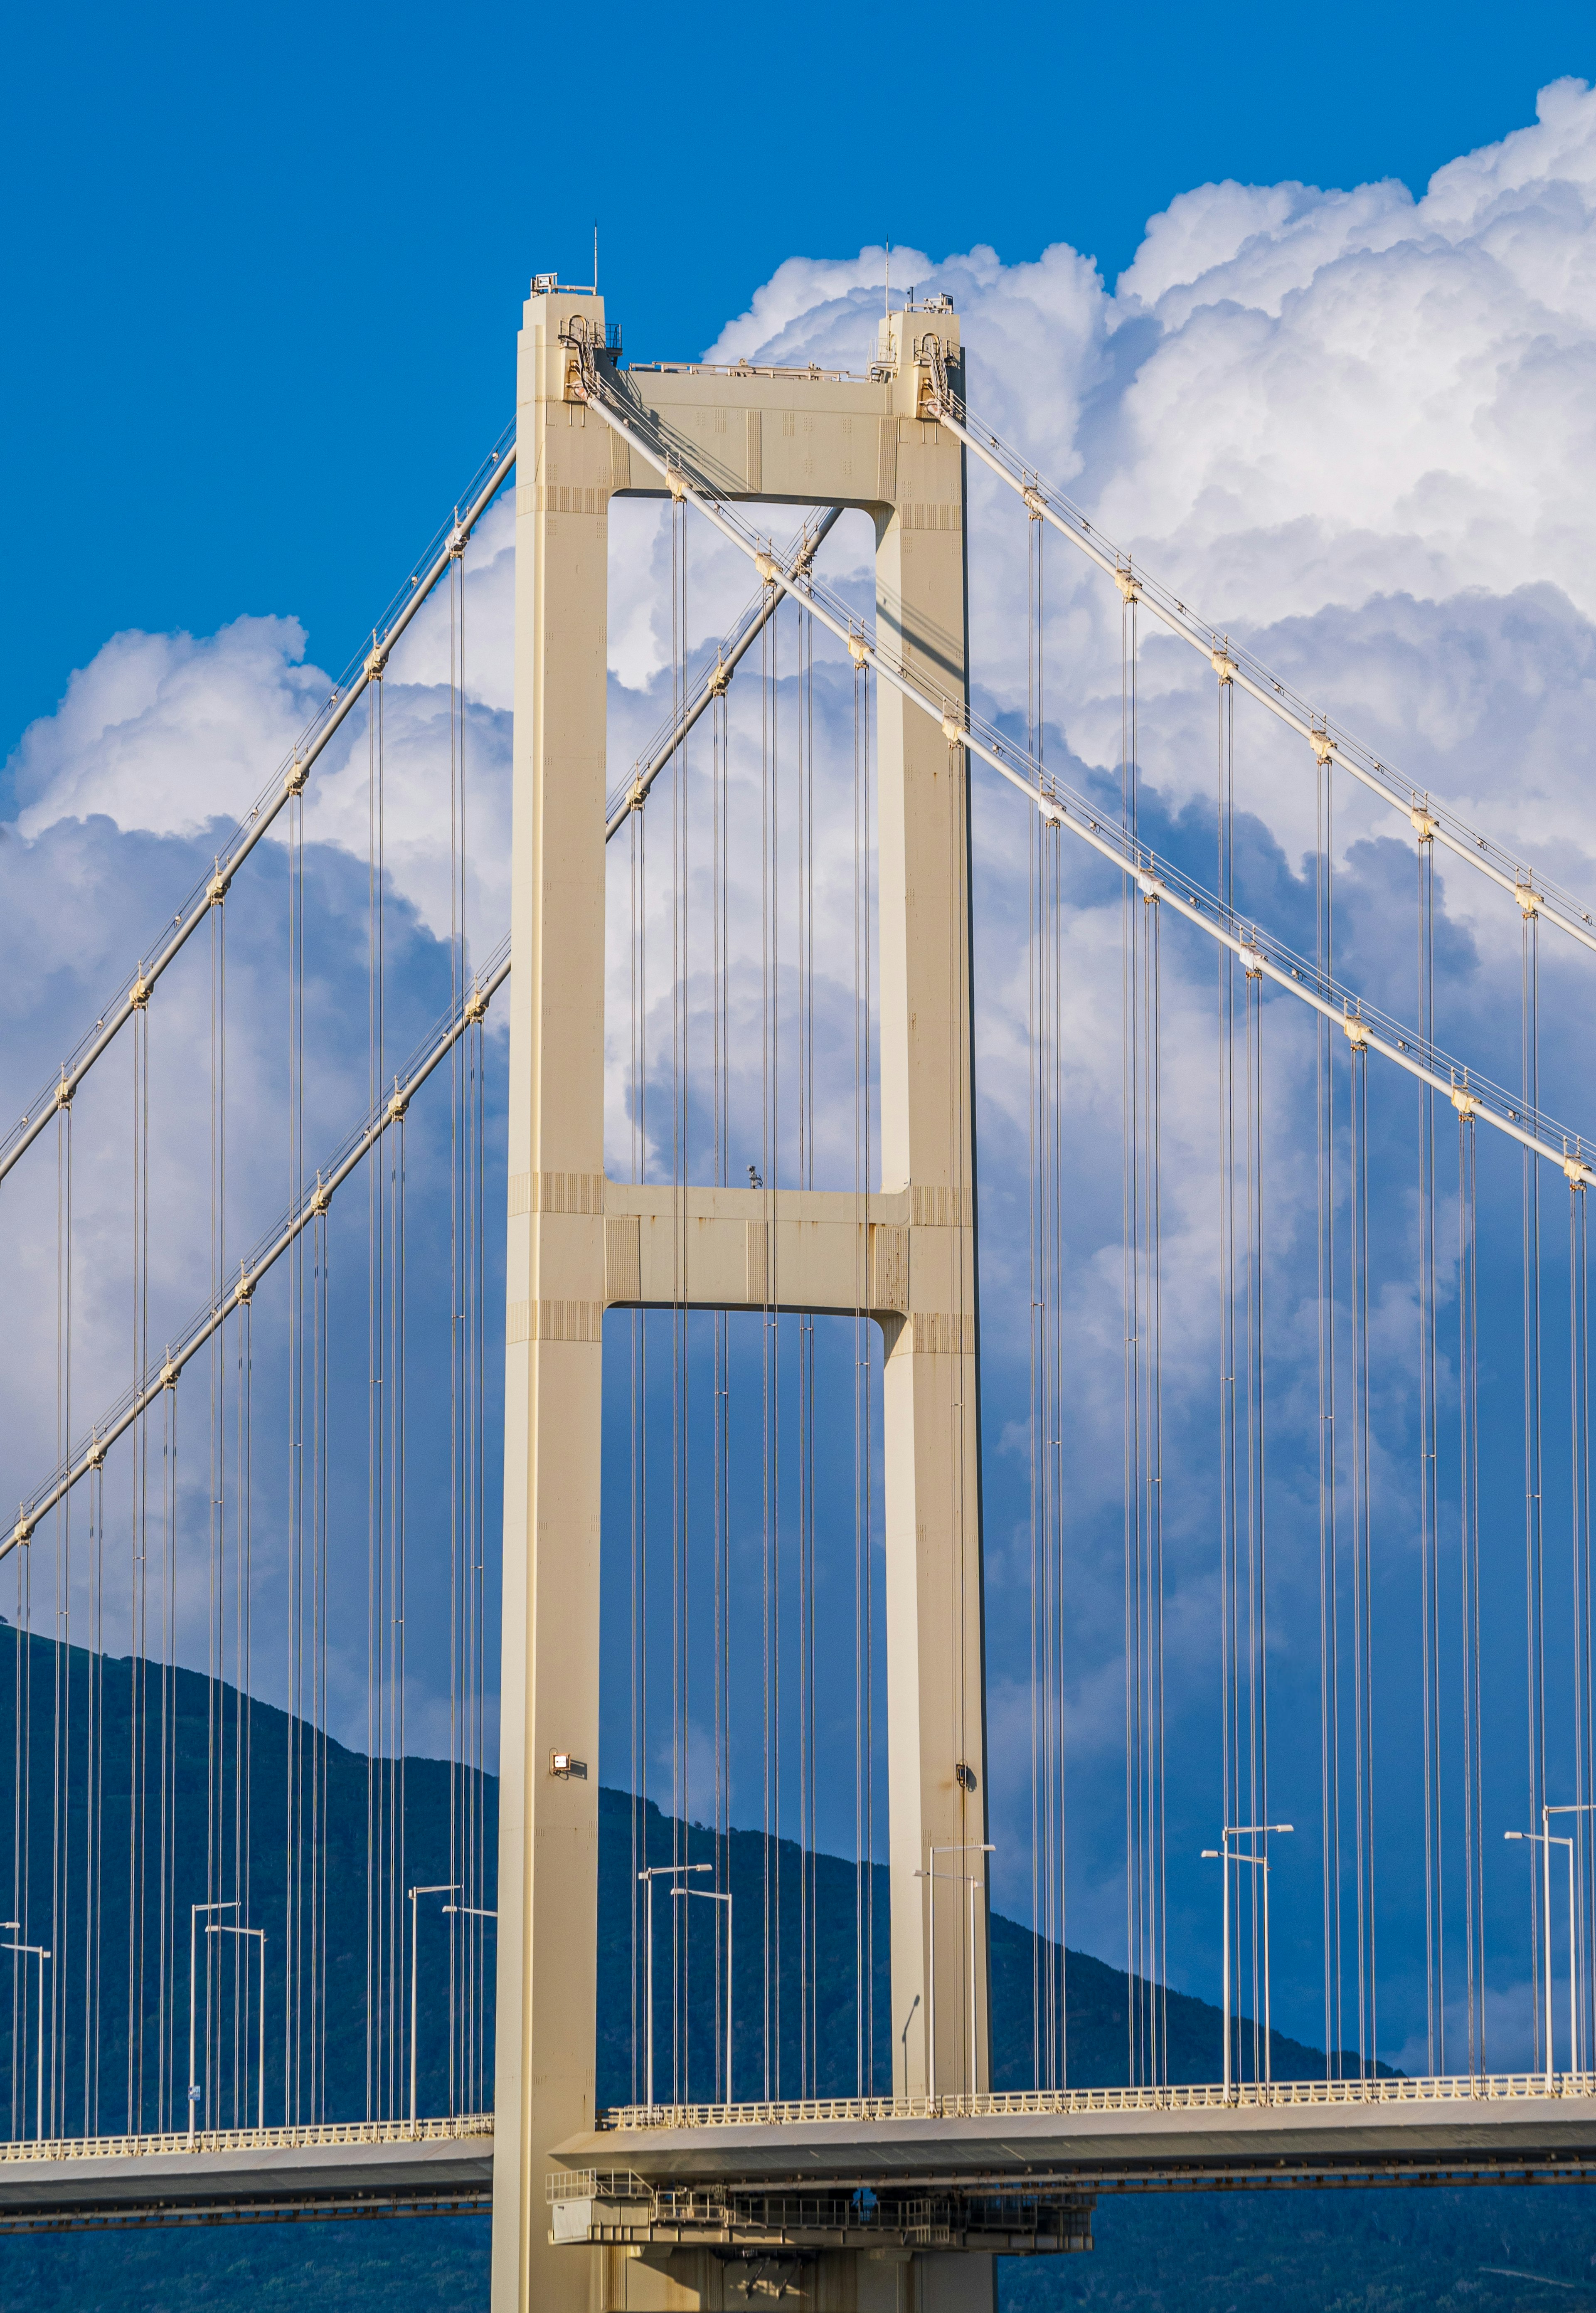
x=1330 y=1573
x=1131 y=1447
x=1534 y=1565
x=1363 y=1564
x=1468 y=1567
x=1429 y=1486
x=1583 y=1650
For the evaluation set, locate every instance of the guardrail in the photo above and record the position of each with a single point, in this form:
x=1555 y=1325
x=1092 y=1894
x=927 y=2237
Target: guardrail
x=1460 y=2088
x=249 y=2140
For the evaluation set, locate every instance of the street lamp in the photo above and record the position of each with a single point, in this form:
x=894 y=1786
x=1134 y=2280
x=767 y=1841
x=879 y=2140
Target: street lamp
x=964 y=1879
x=1222 y=1855
x=216 y=1929
x=1585 y=1806
x=39 y=1953
x=656 y=1871
x=469 y=1911
x=708 y=1895
x=195 y=2090
x=1546 y=1839
x=449 y=1888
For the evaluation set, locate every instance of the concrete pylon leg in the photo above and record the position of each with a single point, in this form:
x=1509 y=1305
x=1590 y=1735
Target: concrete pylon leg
x=554 y=1322
x=934 y=1675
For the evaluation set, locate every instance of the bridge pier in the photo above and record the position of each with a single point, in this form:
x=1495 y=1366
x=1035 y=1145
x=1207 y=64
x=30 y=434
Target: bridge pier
x=578 y=1244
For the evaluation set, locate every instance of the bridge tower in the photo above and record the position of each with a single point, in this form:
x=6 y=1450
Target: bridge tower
x=578 y=1244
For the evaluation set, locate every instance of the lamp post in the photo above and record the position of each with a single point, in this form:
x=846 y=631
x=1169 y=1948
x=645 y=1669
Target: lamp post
x=195 y=2089
x=449 y=1887
x=1222 y=1855
x=972 y=1880
x=709 y=1895
x=41 y=1954
x=653 y=1872
x=216 y=1929
x=1585 y=1806
x=1546 y=1839
x=469 y=1911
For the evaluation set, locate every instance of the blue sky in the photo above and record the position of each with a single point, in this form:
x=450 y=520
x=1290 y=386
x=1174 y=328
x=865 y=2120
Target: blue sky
x=262 y=266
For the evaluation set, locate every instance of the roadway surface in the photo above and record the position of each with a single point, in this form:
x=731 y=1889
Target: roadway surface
x=1317 y=2132
x=271 y=2175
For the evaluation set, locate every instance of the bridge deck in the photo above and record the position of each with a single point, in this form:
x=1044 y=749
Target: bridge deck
x=1097 y=2140
x=367 y=2169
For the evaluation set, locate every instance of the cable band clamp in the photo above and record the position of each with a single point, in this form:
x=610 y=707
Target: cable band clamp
x=1322 y=744
x=298 y=773
x=858 y=650
x=1357 y=1033
x=1129 y=586
x=1423 y=823
x=952 y=728
x=1150 y=888
x=1580 y=1176
x=1251 y=961
x=477 y=1004
x=1225 y=665
x=1529 y=900
x=1036 y=505
x=1464 y=1102
x=22 y=1531
x=376 y=659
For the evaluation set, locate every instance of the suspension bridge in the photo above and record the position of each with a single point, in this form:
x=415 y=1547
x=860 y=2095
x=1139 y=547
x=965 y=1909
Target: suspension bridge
x=713 y=1231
